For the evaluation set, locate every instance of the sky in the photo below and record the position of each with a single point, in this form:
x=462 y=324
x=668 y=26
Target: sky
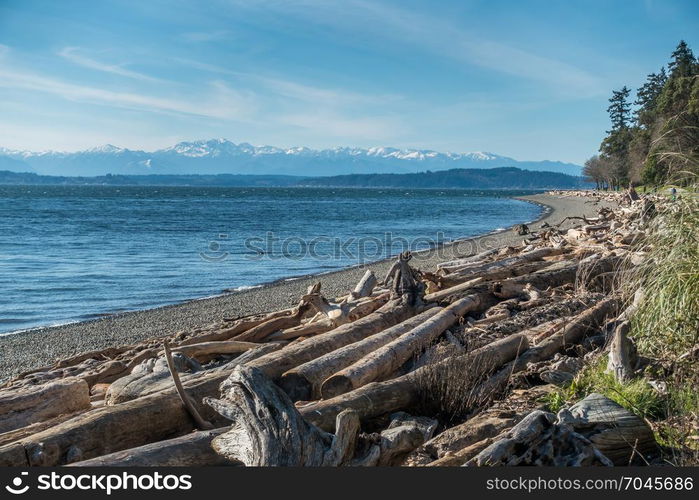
x=525 y=79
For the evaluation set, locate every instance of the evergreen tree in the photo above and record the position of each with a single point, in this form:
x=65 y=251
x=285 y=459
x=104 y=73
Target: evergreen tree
x=647 y=98
x=683 y=62
x=619 y=109
x=615 y=147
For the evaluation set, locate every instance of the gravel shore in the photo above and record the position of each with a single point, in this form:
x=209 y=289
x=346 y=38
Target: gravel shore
x=39 y=347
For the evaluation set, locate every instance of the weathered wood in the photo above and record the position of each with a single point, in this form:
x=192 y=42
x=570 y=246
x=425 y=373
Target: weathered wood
x=205 y=350
x=622 y=353
x=403 y=435
x=447 y=292
x=572 y=333
x=490 y=267
x=191 y=450
x=144 y=420
x=186 y=400
x=365 y=285
x=276 y=363
x=142 y=384
x=31 y=404
x=304 y=381
x=466 y=260
x=259 y=332
x=239 y=326
x=620 y=435
x=385 y=360
x=459 y=437
x=538 y=440
x=267 y=429
x=378 y=398
x=460 y=457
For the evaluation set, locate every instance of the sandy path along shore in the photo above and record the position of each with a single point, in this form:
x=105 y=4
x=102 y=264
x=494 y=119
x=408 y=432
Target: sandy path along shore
x=39 y=347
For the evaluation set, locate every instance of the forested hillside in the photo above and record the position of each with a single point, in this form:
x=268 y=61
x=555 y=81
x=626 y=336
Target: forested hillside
x=654 y=139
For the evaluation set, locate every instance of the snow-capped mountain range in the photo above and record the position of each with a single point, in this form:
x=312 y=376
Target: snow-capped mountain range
x=219 y=156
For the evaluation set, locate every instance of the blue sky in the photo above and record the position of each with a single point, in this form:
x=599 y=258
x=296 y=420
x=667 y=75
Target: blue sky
x=527 y=79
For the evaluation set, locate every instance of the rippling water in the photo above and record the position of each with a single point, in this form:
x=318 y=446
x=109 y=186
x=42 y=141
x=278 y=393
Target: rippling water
x=71 y=253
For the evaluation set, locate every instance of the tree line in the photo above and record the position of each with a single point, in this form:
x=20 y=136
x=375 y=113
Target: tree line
x=654 y=139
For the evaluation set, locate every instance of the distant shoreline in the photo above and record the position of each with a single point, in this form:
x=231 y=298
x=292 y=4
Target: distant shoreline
x=19 y=352
x=511 y=178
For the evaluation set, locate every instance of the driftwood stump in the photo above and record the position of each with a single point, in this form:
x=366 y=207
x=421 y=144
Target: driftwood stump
x=267 y=430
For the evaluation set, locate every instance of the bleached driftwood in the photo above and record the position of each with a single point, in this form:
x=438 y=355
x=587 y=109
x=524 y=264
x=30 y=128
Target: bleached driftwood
x=401 y=393
x=304 y=381
x=31 y=404
x=191 y=450
x=388 y=358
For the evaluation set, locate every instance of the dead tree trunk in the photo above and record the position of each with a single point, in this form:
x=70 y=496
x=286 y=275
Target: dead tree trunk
x=267 y=429
x=387 y=359
x=378 y=398
x=19 y=408
x=191 y=450
x=276 y=363
x=303 y=382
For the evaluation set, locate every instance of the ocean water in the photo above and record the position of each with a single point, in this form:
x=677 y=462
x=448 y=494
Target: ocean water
x=70 y=253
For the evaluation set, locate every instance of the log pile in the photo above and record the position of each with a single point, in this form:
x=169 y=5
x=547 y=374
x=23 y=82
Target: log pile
x=408 y=370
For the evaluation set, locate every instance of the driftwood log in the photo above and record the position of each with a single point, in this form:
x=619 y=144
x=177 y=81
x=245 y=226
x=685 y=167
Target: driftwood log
x=191 y=450
x=304 y=381
x=385 y=360
x=378 y=398
x=617 y=433
x=276 y=363
x=267 y=430
x=31 y=404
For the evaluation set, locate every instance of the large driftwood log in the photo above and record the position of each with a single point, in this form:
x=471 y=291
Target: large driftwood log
x=276 y=363
x=378 y=398
x=468 y=260
x=155 y=378
x=387 y=359
x=144 y=420
x=259 y=332
x=303 y=382
x=620 y=435
x=25 y=406
x=191 y=450
x=239 y=326
x=447 y=292
x=490 y=267
x=267 y=429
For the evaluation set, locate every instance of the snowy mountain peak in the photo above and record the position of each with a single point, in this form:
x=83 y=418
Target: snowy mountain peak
x=106 y=149
x=213 y=156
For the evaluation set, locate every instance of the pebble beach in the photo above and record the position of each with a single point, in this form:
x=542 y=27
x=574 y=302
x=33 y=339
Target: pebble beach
x=43 y=346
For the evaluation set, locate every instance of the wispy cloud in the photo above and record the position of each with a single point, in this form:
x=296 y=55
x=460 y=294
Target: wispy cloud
x=309 y=94
x=439 y=37
x=74 y=55
x=221 y=102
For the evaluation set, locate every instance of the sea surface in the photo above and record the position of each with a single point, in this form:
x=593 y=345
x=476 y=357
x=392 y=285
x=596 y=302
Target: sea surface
x=71 y=253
